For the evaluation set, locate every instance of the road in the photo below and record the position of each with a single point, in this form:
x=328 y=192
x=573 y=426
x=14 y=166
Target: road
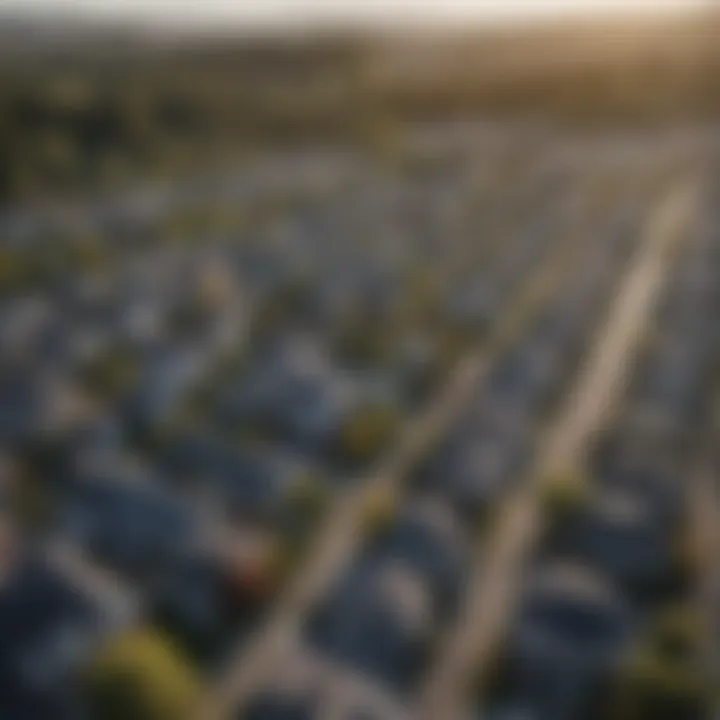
x=494 y=586
x=340 y=538
x=118 y=600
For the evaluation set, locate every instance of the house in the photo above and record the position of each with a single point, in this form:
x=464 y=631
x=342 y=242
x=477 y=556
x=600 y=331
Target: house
x=22 y=323
x=377 y=620
x=672 y=382
x=428 y=539
x=121 y=516
x=71 y=344
x=266 y=484
x=655 y=489
x=621 y=537
x=189 y=599
x=48 y=628
x=142 y=320
x=270 y=486
x=572 y=627
x=475 y=469
x=523 y=382
x=296 y=392
x=103 y=432
x=37 y=405
x=169 y=375
x=470 y=306
x=8 y=484
x=639 y=449
x=308 y=685
x=419 y=364
x=278 y=706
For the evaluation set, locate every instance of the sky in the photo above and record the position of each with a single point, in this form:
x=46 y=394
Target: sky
x=278 y=12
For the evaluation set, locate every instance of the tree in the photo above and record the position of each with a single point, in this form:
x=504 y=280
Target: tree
x=678 y=633
x=663 y=681
x=366 y=342
x=655 y=687
x=379 y=511
x=564 y=494
x=252 y=580
x=141 y=675
x=366 y=432
x=112 y=374
x=308 y=495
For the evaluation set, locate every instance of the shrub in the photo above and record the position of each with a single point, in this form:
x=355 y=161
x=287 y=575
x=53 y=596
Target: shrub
x=379 y=511
x=655 y=687
x=563 y=495
x=366 y=432
x=662 y=680
x=139 y=674
x=678 y=633
x=308 y=494
x=112 y=375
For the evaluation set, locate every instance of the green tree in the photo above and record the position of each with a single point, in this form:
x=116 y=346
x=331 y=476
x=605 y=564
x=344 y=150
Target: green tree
x=379 y=511
x=366 y=432
x=141 y=675
x=564 y=494
x=655 y=687
x=663 y=680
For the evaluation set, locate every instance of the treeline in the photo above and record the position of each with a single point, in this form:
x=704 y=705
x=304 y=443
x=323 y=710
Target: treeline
x=82 y=121
x=94 y=116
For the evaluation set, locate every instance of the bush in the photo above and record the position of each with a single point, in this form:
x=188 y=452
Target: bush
x=687 y=557
x=308 y=494
x=141 y=675
x=678 y=633
x=422 y=294
x=658 y=688
x=254 y=571
x=366 y=343
x=663 y=681
x=112 y=375
x=563 y=495
x=455 y=343
x=366 y=432
x=379 y=511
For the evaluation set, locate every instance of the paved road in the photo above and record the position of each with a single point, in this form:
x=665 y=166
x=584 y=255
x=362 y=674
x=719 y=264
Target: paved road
x=495 y=585
x=118 y=600
x=340 y=538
